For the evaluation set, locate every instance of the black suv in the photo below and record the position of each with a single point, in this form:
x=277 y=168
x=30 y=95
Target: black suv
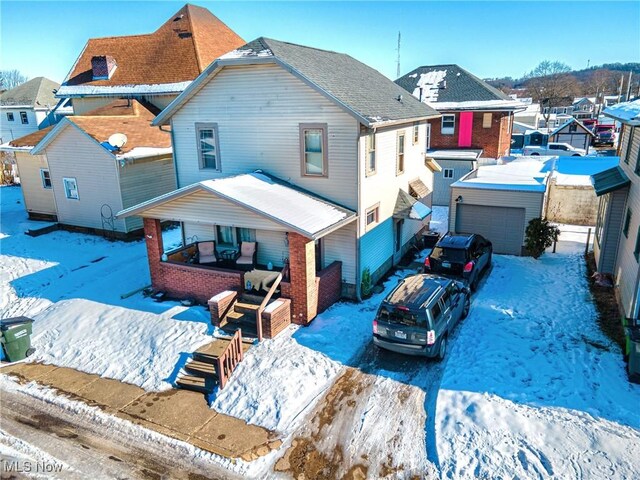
x=417 y=317
x=460 y=255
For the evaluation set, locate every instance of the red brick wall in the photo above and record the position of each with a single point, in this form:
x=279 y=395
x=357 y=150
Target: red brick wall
x=184 y=281
x=329 y=283
x=275 y=322
x=304 y=292
x=495 y=141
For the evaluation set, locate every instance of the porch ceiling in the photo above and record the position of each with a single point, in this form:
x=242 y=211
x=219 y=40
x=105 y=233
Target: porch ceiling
x=254 y=200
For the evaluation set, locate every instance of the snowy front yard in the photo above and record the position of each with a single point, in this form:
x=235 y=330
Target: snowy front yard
x=530 y=389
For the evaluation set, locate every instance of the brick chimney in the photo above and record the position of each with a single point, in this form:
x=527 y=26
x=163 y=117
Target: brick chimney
x=103 y=67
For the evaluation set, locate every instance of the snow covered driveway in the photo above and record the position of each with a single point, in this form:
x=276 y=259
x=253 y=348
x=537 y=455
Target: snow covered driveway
x=532 y=388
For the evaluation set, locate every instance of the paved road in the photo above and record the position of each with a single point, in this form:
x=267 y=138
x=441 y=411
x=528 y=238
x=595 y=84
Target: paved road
x=90 y=450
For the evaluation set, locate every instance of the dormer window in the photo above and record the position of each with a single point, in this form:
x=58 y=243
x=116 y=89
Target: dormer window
x=103 y=67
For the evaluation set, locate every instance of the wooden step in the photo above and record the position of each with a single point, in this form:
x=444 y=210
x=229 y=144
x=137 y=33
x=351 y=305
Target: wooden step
x=249 y=329
x=248 y=308
x=197 y=384
x=201 y=369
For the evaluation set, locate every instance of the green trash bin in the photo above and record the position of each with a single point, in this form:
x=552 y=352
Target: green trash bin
x=15 y=335
x=633 y=346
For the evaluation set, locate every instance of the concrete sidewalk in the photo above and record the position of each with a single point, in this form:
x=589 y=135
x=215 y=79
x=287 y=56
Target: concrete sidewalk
x=179 y=414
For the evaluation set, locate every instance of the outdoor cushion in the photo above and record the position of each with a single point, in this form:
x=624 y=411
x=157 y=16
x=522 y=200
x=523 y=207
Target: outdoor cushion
x=247 y=253
x=207 y=252
x=245 y=260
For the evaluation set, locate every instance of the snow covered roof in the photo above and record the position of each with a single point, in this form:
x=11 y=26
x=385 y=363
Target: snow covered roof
x=627 y=112
x=365 y=93
x=450 y=87
x=455 y=154
x=523 y=174
x=27 y=142
x=36 y=93
x=159 y=62
x=268 y=196
x=569 y=122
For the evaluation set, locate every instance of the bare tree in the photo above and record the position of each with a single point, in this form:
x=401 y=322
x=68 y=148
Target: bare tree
x=11 y=79
x=551 y=85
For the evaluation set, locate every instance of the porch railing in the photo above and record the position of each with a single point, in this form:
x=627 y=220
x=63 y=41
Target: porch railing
x=264 y=303
x=232 y=355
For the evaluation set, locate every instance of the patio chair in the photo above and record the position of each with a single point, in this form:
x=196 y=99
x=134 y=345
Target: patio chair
x=207 y=253
x=247 y=255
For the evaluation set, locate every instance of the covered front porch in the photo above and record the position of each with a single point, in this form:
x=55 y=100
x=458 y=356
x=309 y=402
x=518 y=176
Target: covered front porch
x=289 y=240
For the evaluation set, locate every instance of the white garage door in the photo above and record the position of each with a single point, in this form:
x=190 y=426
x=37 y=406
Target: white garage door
x=503 y=226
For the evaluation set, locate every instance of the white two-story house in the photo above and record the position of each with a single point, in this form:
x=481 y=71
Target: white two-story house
x=314 y=157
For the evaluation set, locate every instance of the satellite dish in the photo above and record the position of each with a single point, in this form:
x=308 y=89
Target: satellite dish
x=118 y=140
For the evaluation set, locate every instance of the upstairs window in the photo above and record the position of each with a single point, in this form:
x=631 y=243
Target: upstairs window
x=371 y=153
x=313 y=146
x=487 y=118
x=23 y=118
x=636 y=250
x=371 y=215
x=208 y=150
x=627 y=154
x=573 y=127
x=627 y=223
x=638 y=162
x=400 y=154
x=428 y=137
x=447 y=173
x=416 y=134
x=70 y=188
x=448 y=124
x=46 y=178
x=10 y=116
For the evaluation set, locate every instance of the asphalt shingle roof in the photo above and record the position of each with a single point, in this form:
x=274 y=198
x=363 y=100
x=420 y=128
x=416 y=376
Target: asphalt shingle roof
x=454 y=85
x=358 y=86
x=37 y=93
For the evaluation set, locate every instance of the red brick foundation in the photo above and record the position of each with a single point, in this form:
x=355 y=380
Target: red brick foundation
x=182 y=280
x=274 y=322
x=329 y=283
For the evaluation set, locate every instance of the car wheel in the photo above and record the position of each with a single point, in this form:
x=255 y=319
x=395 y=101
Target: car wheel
x=473 y=285
x=465 y=309
x=488 y=266
x=442 y=350
x=576 y=155
x=534 y=154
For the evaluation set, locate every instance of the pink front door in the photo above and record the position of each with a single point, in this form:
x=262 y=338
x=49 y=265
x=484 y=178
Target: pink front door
x=466 y=127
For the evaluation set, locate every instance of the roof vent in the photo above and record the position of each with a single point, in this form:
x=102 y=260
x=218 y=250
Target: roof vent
x=179 y=17
x=399 y=98
x=103 y=67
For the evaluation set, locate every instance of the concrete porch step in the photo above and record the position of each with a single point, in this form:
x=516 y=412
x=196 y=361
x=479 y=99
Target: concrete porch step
x=204 y=385
x=201 y=369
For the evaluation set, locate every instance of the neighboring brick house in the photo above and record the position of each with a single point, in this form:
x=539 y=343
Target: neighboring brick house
x=475 y=115
x=324 y=170
x=154 y=67
x=617 y=235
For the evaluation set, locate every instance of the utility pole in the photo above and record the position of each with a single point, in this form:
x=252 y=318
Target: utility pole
x=398 y=61
x=620 y=88
x=629 y=87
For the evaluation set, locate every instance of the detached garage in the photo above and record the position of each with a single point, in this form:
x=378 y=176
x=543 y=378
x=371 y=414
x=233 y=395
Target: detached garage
x=498 y=201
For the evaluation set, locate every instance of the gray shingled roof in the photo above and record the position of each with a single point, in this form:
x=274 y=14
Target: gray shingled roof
x=37 y=92
x=358 y=86
x=457 y=85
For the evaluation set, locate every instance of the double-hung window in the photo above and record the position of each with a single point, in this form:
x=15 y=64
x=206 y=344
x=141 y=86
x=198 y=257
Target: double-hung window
x=371 y=215
x=246 y=234
x=400 y=154
x=487 y=119
x=70 y=188
x=447 y=173
x=225 y=236
x=371 y=153
x=427 y=140
x=313 y=149
x=23 y=118
x=448 y=124
x=208 y=146
x=416 y=134
x=10 y=116
x=45 y=177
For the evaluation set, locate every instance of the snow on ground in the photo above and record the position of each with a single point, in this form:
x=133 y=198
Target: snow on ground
x=532 y=388
x=71 y=283
x=439 y=219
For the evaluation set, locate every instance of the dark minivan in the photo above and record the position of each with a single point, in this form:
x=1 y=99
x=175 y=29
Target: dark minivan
x=418 y=315
x=460 y=255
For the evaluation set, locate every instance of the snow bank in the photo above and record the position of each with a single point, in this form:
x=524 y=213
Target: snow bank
x=532 y=388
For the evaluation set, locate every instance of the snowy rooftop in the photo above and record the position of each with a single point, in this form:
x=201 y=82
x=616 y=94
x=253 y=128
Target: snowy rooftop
x=461 y=154
x=478 y=105
x=268 y=196
x=627 y=112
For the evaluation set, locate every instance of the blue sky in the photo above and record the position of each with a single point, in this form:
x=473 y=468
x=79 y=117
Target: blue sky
x=488 y=38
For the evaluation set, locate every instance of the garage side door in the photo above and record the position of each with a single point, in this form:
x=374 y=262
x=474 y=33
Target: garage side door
x=504 y=226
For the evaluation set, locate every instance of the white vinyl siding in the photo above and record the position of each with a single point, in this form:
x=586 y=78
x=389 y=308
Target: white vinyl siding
x=143 y=180
x=441 y=183
x=10 y=130
x=73 y=154
x=341 y=245
x=38 y=200
x=263 y=131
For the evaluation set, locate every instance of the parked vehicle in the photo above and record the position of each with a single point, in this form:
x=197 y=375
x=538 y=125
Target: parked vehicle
x=554 y=148
x=465 y=256
x=417 y=317
x=605 y=135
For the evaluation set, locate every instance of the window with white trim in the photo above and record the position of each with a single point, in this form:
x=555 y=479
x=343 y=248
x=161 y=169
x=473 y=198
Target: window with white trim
x=371 y=153
x=447 y=172
x=487 y=119
x=23 y=118
x=448 y=124
x=208 y=146
x=10 y=116
x=46 y=178
x=427 y=139
x=70 y=188
x=416 y=134
x=400 y=153
x=313 y=149
x=371 y=215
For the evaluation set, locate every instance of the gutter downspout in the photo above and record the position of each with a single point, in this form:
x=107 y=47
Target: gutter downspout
x=358 y=252
x=175 y=169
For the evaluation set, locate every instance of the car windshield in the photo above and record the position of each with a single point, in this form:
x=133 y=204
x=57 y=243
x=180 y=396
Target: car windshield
x=449 y=254
x=400 y=316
